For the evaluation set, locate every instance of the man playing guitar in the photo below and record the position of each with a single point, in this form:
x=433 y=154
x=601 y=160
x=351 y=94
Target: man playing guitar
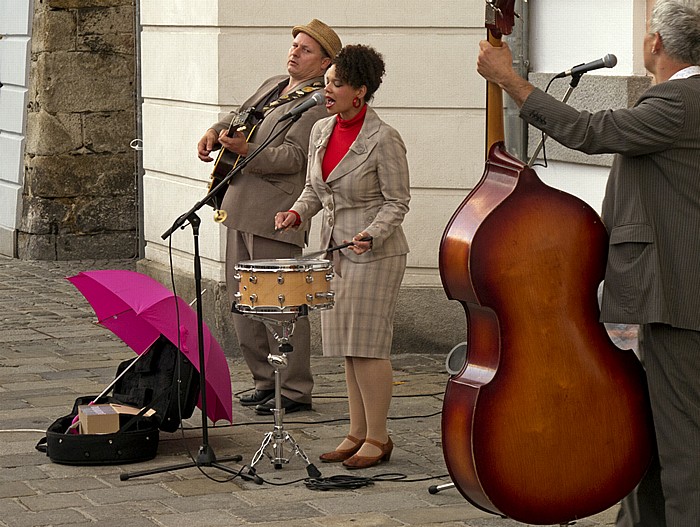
x=269 y=183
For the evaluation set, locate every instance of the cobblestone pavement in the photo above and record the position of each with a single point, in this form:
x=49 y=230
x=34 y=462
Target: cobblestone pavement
x=51 y=352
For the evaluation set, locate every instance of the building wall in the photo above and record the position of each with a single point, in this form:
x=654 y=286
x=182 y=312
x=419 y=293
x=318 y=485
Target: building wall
x=15 y=31
x=202 y=59
x=79 y=189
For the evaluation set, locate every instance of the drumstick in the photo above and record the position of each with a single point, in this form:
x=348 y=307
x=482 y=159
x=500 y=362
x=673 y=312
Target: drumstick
x=335 y=248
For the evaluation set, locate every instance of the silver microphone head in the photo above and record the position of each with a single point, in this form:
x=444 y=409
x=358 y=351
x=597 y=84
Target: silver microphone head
x=610 y=60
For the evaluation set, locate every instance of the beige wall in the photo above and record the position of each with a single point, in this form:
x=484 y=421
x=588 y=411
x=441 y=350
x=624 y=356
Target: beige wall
x=200 y=61
x=15 y=32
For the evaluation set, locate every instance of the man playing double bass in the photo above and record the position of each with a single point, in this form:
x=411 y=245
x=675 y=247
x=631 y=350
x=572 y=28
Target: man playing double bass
x=652 y=213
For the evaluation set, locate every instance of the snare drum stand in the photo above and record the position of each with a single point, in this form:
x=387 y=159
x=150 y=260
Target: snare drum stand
x=279 y=436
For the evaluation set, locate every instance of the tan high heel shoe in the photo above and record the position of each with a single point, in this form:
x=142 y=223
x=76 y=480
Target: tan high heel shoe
x=335 y=456
x=356 y=461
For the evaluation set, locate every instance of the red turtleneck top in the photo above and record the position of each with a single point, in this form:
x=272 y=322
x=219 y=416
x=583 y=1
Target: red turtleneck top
x=342 y=137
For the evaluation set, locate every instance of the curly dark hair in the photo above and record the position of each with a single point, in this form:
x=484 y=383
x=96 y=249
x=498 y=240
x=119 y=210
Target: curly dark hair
x=359 y=66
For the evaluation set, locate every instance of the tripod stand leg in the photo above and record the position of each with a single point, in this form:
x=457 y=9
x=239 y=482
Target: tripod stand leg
x=261 y=451
x=296 y=449
x=434 y=489
x=276 y=441
x=189 y=464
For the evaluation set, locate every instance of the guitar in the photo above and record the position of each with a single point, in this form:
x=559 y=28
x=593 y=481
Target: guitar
x=227 y=160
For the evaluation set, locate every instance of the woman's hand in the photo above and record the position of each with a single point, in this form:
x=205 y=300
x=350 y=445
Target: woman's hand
x=359 y=247
x=285 y=220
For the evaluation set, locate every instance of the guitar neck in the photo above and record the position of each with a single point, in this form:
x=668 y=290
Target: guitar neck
x=235 y=125
x=239 y=122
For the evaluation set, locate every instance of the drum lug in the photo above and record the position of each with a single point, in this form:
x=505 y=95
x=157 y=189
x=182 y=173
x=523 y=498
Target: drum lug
x=280 y=279
x=237 y=277
x=280 y=299
x=253 y=279
x=309 y=298
x=329 y=295
x=237 y=295
x=253 y=298
x=309 y=278
x=329 y=276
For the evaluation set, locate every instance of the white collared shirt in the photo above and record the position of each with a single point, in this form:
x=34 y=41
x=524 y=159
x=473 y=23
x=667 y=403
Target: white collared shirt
x=686 y=72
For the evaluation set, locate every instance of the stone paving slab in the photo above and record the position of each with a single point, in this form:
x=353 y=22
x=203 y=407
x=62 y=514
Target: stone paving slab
x=51 y=352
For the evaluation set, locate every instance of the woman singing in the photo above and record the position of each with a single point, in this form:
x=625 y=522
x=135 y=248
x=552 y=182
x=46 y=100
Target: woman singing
x=358 y=177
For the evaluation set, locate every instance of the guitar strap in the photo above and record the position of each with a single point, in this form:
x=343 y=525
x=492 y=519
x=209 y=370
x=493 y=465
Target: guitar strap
x=287 y=97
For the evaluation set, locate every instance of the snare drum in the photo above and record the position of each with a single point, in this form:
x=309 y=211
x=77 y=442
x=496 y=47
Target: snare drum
x=283 y=285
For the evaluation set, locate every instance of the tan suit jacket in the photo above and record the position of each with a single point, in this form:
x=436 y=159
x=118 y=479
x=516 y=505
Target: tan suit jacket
x=274 y=179
x=369 y=190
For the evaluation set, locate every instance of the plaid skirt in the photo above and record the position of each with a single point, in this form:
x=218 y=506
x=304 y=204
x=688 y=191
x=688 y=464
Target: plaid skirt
x=361 y=323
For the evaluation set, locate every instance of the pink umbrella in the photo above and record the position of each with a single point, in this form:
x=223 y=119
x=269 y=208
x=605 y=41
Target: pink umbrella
x=138 y=309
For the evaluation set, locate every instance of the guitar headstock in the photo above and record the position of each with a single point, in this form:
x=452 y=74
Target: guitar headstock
x=500 y=17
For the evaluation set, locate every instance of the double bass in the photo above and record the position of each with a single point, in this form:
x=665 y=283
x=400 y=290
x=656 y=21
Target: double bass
x=547 y=421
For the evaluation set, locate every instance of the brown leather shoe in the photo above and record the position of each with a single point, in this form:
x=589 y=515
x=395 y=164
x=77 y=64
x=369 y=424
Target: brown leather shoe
x=336 y=456
x=356 y=461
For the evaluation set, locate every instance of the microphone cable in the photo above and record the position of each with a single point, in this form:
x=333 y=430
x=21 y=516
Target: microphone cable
x=544 y=163
x=345 y=482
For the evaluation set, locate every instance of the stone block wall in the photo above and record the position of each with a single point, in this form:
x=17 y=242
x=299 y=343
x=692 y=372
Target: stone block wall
x=80 y=187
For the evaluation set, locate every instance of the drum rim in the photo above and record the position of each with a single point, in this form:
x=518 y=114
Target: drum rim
x=283 y=265
x=274 y=310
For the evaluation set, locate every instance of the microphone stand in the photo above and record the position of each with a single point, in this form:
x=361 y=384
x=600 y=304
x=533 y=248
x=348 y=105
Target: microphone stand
x=575 y=79
x=206 y=456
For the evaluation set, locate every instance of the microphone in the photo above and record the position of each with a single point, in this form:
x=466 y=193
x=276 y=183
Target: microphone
x=316 y=99
x=608 y=61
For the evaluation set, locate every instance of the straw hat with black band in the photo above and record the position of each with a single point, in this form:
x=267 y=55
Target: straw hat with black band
x=322 y=34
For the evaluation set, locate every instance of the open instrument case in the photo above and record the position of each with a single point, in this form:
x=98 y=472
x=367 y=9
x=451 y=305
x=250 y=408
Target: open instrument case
x=162 y=380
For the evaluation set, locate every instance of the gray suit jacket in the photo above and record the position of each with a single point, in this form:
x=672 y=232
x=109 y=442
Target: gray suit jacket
x=652 y=201
x=369 y=190
x=274 y=179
